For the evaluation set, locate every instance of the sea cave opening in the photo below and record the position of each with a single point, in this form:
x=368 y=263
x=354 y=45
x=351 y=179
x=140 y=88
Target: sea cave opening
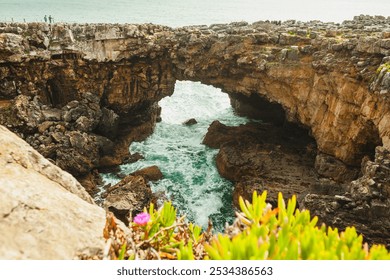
x=191 y=180
x=194 y=179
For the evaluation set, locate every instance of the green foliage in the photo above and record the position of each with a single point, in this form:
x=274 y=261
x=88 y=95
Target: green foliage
x=292 y=33
x=383 y=66
x=288 y=233
x=165 y=236
x=259 y=232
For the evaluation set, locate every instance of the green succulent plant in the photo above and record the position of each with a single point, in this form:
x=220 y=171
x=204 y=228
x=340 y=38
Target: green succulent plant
x=259 y=232
x=286 y=233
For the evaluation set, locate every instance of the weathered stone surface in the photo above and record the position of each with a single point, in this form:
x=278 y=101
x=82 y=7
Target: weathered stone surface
x=364 y=203
x=128 y=197
x=323 y=75
x=151 y=173
x=329 y=167
x=45 y=213
x=260 y=157
x=331 y=78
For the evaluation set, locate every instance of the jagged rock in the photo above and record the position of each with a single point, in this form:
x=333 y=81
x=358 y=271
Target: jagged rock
x=190 y=122
x=134 y=158
x=213 y=48
x=109 y=123
x=45 y=126
x=91 y=181
x=217 y=134
x=319 y=80
x=128 y=198
x=364 y=203
x=46 y=213
x=259 y=156
x=11 y=47
x=151 y=173
x=330 y=167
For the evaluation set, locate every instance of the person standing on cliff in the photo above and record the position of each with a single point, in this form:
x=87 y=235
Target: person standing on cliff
x=50 y=19
x=45 y=18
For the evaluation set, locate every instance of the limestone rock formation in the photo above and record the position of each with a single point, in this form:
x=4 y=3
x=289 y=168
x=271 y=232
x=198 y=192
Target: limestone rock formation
x=44 y=212
x=260 y=156
x=60 y=93
x=331 y=78
x=320 y=78
x=364 y=203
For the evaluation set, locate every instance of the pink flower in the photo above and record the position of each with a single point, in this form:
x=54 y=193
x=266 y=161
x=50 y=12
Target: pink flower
x=142 y=219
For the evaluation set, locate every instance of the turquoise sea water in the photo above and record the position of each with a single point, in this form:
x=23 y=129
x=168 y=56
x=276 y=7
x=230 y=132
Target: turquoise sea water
x=191 y=179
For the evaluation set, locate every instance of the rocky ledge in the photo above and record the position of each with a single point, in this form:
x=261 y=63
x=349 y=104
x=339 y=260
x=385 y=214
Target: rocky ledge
x=80 y=93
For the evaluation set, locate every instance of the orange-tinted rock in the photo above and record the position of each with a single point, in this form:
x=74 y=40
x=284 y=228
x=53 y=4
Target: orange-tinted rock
x=151 y=173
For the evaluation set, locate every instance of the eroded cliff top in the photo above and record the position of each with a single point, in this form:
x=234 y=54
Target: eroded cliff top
x=24 y=41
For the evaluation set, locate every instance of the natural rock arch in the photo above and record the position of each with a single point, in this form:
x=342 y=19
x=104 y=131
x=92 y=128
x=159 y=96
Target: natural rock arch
x=326 y=77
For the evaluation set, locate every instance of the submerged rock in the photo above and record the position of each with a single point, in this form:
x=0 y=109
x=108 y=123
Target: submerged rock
x=190 y=122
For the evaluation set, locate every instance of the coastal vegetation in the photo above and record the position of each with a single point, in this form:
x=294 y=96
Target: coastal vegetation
x=384 y=66
x=259 y=232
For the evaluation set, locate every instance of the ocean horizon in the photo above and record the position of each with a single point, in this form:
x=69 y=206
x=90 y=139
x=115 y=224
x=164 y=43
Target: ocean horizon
x=176 y=13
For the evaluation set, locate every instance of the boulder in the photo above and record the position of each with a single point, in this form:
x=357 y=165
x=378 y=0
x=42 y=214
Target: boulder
x=190 y=122
x=218 y=134
x=151 y=173
x=46 y=213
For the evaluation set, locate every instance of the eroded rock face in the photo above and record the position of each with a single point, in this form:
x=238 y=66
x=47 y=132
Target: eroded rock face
x=318 y=85
x=365 y=203
x=76 y=103
x=331 y=78
x=260 y=156
x=45 y=213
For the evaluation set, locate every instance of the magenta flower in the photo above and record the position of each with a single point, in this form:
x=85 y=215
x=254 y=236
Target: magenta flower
x=142 y=219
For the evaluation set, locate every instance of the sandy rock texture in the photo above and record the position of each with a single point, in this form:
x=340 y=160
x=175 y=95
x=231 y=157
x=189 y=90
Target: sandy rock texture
x=44 y=212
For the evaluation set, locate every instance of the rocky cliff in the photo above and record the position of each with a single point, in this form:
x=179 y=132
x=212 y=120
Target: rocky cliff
x=331 y=78
x=80 y=94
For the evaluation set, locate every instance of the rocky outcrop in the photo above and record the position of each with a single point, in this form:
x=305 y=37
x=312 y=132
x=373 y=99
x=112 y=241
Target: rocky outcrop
x=77 y=100
x=150 y=173
x=319 y=73
x=128 y=198
x=364 y=203
x=44 y=212
x=261 y=156
x=331 y=78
